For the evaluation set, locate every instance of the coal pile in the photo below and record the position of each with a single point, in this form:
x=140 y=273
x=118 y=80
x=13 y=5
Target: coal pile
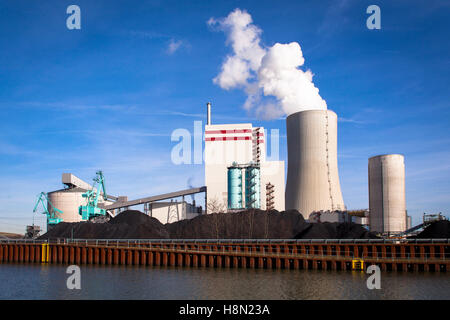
x=250 y=224
x=335 y=230
x=129 y=224
x=436 y=230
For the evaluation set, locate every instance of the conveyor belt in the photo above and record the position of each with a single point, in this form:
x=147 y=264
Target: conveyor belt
x=164 y=196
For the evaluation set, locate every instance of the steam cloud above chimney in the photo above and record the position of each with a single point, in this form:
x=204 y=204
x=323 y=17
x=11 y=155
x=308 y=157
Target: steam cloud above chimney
x=265 y=72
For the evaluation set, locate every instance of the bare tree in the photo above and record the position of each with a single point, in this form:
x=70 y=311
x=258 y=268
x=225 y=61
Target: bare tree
x=216 y=206
x=251 y=214
x=216 y=223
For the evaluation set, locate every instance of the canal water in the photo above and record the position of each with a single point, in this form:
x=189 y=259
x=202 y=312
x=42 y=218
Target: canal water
x=25 y=281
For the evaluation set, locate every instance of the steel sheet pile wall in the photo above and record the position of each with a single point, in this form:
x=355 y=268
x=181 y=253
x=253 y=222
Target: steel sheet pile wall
x=225 y=254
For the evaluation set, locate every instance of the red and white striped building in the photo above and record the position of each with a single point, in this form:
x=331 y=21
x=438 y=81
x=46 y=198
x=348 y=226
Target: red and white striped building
x=241 y=143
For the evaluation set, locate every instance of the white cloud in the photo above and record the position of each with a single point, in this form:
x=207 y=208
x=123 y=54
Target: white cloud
x=280 y=76
x=173 y=46
x=263 y=72
x=351 y=120
x=244 y=38
x=234 y=72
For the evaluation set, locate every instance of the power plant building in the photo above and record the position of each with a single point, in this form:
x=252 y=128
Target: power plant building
x=172 y=211
x=313 y=179
x=387 y=202
x=237 y=175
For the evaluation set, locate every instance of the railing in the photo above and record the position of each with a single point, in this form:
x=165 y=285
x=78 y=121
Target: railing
x=423 y=257
x=244 y=241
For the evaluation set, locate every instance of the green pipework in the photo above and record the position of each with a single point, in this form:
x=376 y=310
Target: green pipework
x=234 y=187
x=252 y=187
x=91 y=209
x=52 y=215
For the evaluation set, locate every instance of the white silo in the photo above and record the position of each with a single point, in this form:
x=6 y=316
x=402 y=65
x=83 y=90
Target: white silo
x=68 y=201
x=312 y=178
x=387 y=202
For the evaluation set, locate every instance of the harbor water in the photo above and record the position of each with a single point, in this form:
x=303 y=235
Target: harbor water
x=46 y=281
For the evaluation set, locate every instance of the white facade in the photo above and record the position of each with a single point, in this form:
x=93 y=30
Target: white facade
x=168 y=212
x=243 y=144
x=361 y=220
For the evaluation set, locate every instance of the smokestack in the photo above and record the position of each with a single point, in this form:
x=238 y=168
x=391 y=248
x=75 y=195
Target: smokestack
x=208 y=112
x=312 y=178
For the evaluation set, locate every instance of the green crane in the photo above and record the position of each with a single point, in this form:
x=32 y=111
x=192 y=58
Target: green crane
x=53 y=215
x=91 y=210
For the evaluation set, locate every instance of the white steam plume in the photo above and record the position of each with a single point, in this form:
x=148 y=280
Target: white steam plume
x=273 y=71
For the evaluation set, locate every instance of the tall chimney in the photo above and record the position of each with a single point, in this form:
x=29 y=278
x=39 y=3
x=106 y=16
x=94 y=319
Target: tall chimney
x=208 y=108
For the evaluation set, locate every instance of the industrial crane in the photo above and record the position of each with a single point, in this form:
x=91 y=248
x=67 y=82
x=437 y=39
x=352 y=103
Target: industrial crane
x=91 y=210
x=53 y=215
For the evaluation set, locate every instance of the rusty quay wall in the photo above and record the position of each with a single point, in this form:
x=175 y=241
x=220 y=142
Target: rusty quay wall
x=285 y=254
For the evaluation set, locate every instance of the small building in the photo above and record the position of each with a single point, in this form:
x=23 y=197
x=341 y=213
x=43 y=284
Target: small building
x=173 y=211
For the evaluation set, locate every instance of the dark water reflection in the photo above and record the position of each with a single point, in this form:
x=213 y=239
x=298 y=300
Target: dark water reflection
x=18 y=281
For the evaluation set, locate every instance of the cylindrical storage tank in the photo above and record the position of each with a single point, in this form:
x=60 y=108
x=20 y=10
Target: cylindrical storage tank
x=252 y=187
x=234 y=188
x=68 y=201
x=387 y=202
x=312 y=178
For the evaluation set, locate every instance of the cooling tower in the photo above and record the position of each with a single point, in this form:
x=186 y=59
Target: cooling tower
x=312 y=178
x=387 y=203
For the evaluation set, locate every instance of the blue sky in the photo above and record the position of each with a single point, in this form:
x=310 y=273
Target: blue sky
x=109 y=96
